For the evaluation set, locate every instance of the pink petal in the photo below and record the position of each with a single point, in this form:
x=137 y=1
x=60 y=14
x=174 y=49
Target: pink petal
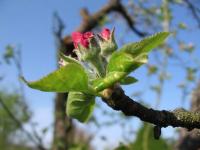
x=105 y=33
x=85 y=43
x=76 y=38
x=88 y=35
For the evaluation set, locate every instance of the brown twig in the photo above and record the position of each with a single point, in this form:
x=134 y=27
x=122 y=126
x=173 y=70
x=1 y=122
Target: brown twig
x=91 y=21
x=194 y=11
x=19 y=124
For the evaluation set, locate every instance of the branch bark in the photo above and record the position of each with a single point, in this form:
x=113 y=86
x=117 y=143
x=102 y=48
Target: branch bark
x=89 y=22
x=191 y=140
x=32 y=138
x=194 y=10
x=117 y=100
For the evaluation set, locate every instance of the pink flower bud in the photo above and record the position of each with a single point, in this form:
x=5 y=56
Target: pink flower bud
x=105 y=34
x=82 y=39
x=85 y=42
x=76 y=38
x=88 y=35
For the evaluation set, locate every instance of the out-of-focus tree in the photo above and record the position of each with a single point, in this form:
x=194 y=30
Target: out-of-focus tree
x=8 y=126
x=14 y=111
x=145 y=141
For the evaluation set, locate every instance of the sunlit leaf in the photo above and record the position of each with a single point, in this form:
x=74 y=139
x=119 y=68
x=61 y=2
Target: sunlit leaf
x=125 y=62
x=133 y=55
x=127 y=59
x=146 y=45
x=110 y=79
x=71 y=77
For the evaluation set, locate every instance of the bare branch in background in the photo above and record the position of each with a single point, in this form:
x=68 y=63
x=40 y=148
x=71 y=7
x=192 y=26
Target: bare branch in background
x=58 y=26
x=91 y=21
x=20 y=125
x=194 y=11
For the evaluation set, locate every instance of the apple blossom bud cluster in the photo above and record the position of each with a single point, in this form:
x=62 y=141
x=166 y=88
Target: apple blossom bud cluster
x=86 y=47
x=94 y=50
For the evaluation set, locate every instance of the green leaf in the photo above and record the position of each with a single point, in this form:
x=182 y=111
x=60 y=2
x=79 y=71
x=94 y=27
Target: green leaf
x=68 y=59
x=110 y=79
x=133 y=55
x=125 y=62
x=71 y=77
x=128 y=80
x=147 y=44
x=80 y=106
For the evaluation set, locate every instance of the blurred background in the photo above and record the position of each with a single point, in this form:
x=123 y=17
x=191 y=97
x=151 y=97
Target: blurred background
x=33 y=31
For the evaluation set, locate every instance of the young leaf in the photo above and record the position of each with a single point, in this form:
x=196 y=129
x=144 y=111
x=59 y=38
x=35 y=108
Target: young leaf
x=110 y=79
x=145 y=45
x=125 y=62
x=128 y=80
x=127 y=59
x=71 y=77
x=133 y=55
x=80 y=106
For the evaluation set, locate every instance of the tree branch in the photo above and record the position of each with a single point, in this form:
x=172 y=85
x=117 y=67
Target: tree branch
x=91 y=21
x=194 y=11
x=19 y=124
x=117 y=100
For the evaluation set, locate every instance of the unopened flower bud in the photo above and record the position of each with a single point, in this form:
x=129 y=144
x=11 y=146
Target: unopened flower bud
x=88 y=50
x=107 y=42
x=85 y=45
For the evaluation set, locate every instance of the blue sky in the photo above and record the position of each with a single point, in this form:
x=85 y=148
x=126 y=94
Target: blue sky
x=29 y=23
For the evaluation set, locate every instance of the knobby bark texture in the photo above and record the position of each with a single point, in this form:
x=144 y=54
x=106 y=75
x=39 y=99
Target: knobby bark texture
x=116 y=99
x=64 y=129
x=190 y=140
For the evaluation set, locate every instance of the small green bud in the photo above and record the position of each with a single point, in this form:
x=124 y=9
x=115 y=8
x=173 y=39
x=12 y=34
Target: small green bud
x=88 y=51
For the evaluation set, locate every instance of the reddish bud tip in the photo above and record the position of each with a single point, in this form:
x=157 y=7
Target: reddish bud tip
x=105 y=33
x=88 y=35
x=76 y=38
x=82 y=39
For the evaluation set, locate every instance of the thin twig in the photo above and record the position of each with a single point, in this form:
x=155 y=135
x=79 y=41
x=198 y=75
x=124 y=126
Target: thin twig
x=194 y=11
x=19 y=124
